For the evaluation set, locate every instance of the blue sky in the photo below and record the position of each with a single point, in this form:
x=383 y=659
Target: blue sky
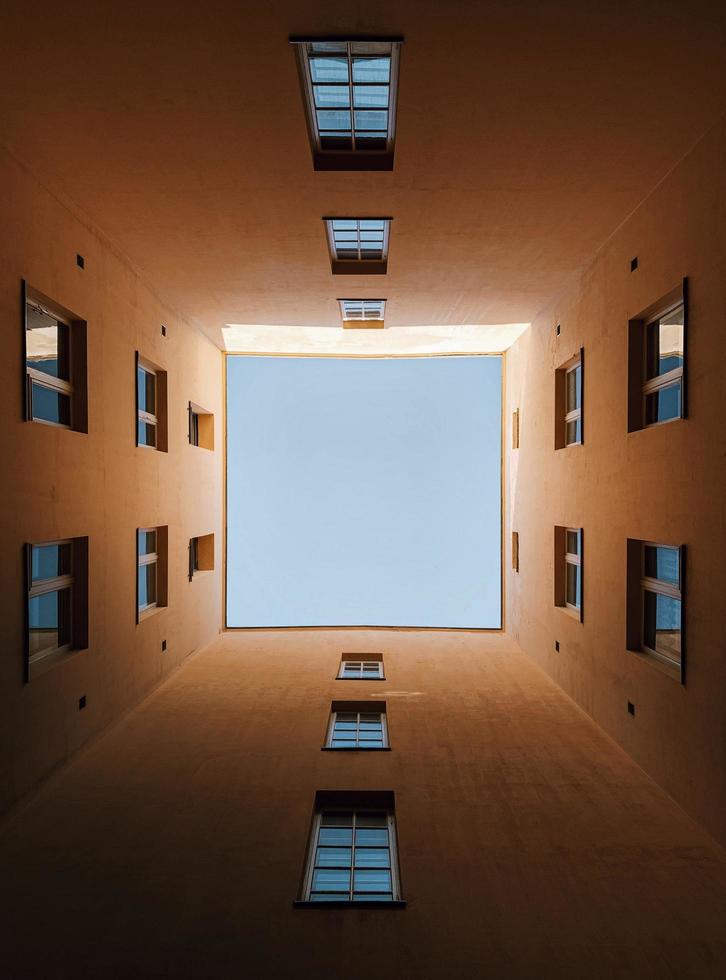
x=363 y=491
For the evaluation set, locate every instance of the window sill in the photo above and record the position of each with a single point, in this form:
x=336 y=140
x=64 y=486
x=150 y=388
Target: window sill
x=42 y=666
x=148 y=613
x=572 y=613
x=670 y=670
x=201 y=573
x=331 y=748
x=656 y=425
x=364 y=679
x=300 y=904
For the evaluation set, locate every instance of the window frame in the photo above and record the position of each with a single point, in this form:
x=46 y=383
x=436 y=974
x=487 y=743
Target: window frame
x=340 y=676
x=639 y=385
x=359 y=265
x=656 y=586
x=142 y=560
x=142 y=416
x=200 y=433
x=356 y=810
x=575 y=560
x=363 y=321
x=575 y=414
x=562 y=415
x=354 y=157
x=563 y=559
x=357 y=708
x=44 y=587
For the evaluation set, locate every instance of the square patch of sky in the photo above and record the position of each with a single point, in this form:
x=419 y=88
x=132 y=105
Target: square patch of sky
x=364 y=492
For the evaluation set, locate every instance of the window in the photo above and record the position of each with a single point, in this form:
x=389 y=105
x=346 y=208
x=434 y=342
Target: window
x=55 y=365
x=357 y=725
x=352 y=853
x=57 y=600
x=151 y=584
x=655 y=602
x=515 y=429
x=568 y=402
x=515 y=551
x=201 y=427
x=150 y=405
x=349 y=91
x=568 y=569
x=368 y=668
x=657 y=362
x=358 y=245
x=362 y=312
x=201 y=554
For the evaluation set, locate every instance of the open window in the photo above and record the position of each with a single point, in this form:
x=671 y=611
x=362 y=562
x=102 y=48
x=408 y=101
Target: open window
x=56 y=574
x=201 y=427
x=657 y=361
x=201 y=555
x=55 y=364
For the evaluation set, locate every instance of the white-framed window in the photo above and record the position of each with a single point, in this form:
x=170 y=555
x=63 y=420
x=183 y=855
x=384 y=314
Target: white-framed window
x=49 y=382
x=661 y=602
x=354 y=311
x=50 y=599
x=352 y=728
x=573 y=404
x=350 y=93
x=146 y=405
x=352 y=857
x=664 y=357
x=358 y=244
x=201 y=427
x=573 y=568
x=147 y=589
x=370 y=669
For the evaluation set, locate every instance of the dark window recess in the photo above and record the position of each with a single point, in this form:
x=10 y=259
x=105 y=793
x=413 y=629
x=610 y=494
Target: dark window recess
x=82 y=703
x=634 y=264
x=163 y=330
x=80 y=261
x=557 y=645
x=631 y=708
x=557 y=330
x=163 y=645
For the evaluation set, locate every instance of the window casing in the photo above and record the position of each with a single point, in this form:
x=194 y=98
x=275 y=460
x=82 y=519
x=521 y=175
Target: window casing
x=352 y=857
x=362 y=312
x=350 y=93
x=55 y=364
x=658 y=362
x=369 y=668
x=147 y=421
x=57 y=600
x=148 y=568
x=357 y=726
x=568 y=569
x=201 y=554
x=358 y=245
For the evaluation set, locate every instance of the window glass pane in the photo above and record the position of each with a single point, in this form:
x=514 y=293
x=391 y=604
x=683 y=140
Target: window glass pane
x=662 y=405
x=336 y=818
x=371 y=253
x=372 y=897
x=147 y=434
x=332 y=96
x=335 y=836
x=47 y=344
x=371 y=96
x=49 y=622
x=334 y=119
x=662 y=625
x=146 y=383
x=573 y=543
x=344 y=224
x=372 y=880
x=574 y=432
x=573 y=584
x=372 y=224
x=371 y=820
x=664 y=343
x=372 y=857
x=343 y=743
x=329 y=69
x=371 y=119
x=328 y=46
x=574 y=388
x=50 y=405
x=662 y=563
x=329 y=897
x=147 y=584
x=330 y=880
x=334 y=857
x=371 y=837
x=50 y=561
x=371 y=69
x=147 y=542
x=371 y=236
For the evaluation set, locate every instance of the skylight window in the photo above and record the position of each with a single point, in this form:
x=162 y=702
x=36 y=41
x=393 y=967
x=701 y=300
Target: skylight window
x=362 y=312
x=358 y=245
x=350 y=89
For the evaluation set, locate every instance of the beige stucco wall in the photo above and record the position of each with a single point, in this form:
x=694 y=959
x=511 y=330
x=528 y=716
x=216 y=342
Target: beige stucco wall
x=59 y=483
x=666 y=484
